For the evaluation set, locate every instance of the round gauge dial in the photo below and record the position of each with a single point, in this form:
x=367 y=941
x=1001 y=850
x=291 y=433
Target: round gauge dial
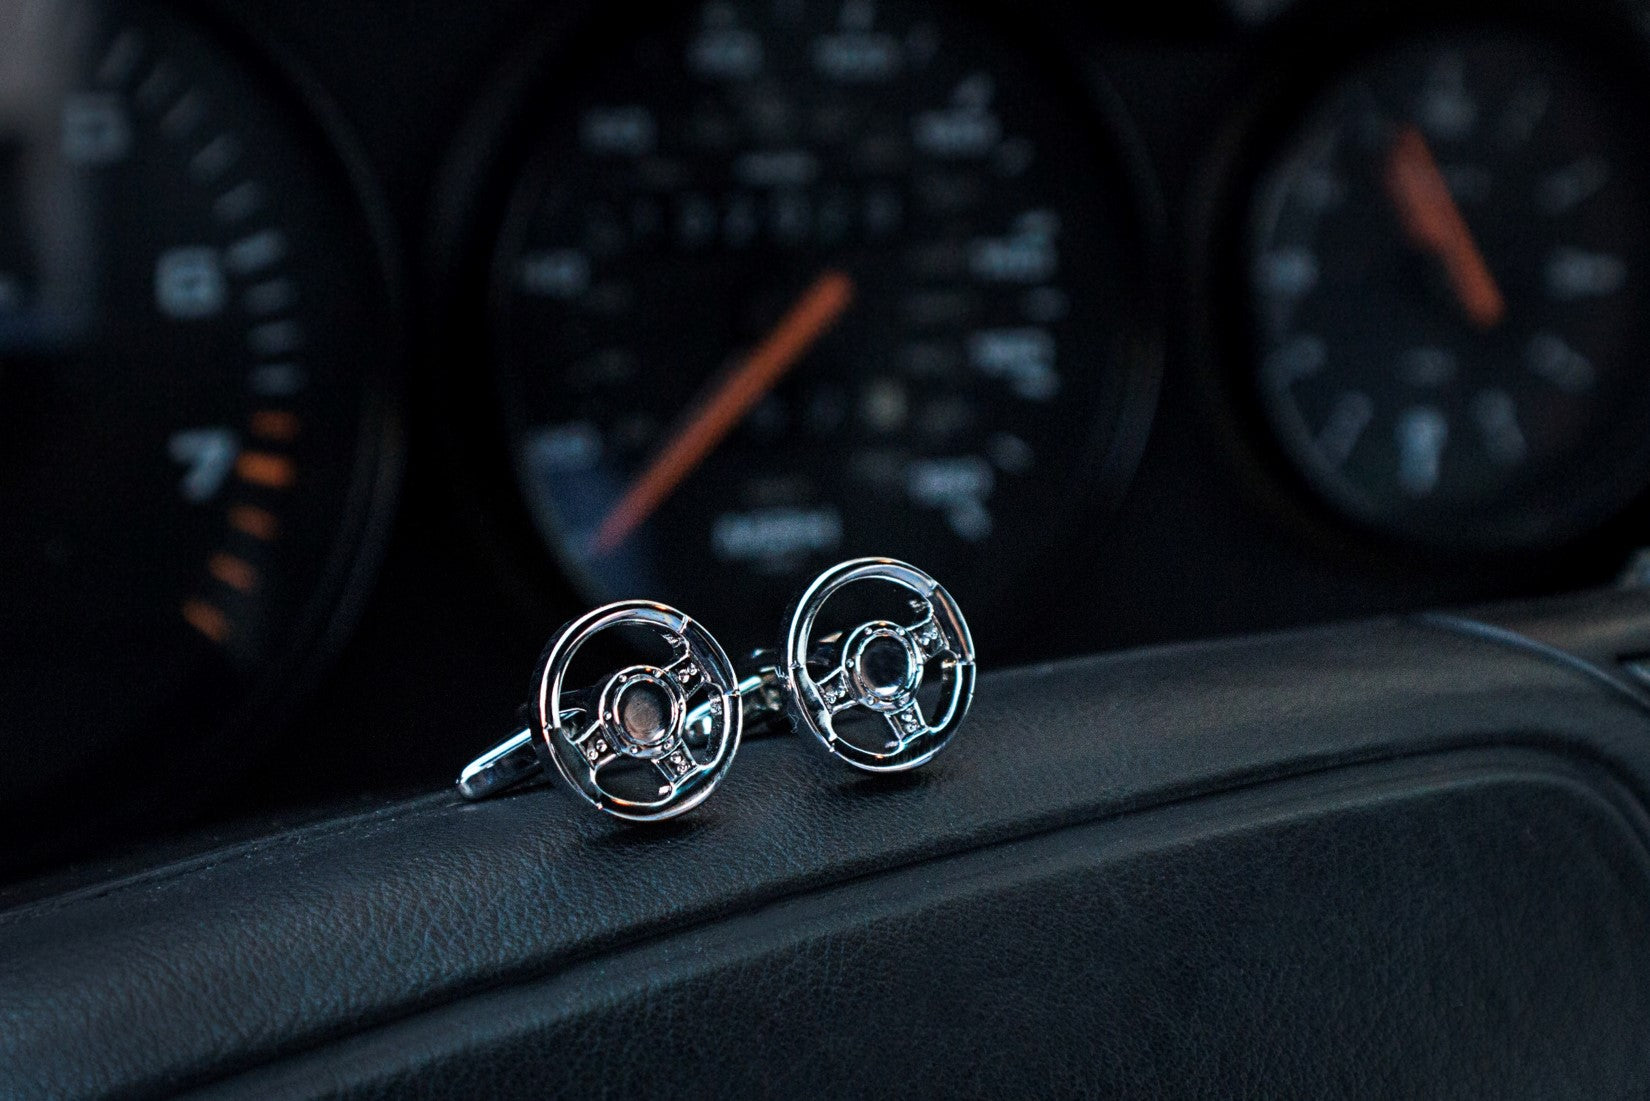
x=190 y=315
x=787 y=283
x=1448 y=293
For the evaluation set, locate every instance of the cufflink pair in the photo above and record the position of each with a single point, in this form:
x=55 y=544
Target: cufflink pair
x=653 y=739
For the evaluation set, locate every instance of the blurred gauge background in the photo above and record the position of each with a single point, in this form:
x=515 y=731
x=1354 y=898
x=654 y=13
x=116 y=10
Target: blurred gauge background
x=780 y=284
x=196 y=341
x=716 y=294
x=1448 y=319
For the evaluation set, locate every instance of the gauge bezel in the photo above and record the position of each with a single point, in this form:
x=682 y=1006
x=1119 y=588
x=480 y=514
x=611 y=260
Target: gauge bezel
x=135 y=779
x=1285 y=83
x=474 y=204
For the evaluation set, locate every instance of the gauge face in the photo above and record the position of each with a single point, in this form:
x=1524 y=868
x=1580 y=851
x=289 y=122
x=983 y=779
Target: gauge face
x=190 y=312
x=789 y=283
x=1447 y=292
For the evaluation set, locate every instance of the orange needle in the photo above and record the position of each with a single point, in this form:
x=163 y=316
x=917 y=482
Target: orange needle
x=725 y=405
x=1433 y=221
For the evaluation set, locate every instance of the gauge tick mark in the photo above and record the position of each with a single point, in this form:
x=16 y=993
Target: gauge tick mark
x=261 y=468
x=237 y=573
x=250 y=520
x=207 y=619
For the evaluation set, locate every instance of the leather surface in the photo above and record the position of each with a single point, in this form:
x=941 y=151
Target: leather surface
x=1290 y=941
x=1512 y=799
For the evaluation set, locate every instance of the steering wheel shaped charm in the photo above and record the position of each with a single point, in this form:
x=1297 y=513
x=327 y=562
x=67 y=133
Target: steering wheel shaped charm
x=667 y=732
x=880 y=667
x=640 y=713
x=680 y=720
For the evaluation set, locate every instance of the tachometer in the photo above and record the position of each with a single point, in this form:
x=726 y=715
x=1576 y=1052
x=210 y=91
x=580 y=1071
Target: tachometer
x=193 y=334
x=786 y=283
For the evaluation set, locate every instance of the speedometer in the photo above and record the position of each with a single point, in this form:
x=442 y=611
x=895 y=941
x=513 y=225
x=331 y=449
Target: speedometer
x=786 y=283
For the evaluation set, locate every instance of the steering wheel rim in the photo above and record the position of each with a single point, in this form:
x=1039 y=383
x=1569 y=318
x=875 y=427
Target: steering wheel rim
x=940 y=632
x=580 y=752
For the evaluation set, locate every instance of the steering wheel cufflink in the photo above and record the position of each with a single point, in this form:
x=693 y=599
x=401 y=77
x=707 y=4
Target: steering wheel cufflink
x=912 y=679
x=648 y=742
x=651 y=740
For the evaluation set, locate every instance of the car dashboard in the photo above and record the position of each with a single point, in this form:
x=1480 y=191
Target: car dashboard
x=348 y=349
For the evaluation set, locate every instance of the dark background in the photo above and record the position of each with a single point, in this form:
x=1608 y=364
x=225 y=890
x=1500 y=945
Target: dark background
x=1212 y=537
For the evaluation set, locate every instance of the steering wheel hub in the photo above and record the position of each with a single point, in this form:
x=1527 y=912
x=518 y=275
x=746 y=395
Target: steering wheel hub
x=884 y=666
x=642 y=706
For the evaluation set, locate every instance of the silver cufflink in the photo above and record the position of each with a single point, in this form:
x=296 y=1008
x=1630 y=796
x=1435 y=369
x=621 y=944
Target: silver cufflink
x=653 y=739
x=647 y=742
x=884 y=695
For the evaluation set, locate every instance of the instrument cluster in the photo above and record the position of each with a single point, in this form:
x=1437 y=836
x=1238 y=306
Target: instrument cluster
x=341 y=360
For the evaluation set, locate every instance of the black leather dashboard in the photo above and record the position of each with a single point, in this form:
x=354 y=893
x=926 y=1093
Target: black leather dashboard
x=1399 y=858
